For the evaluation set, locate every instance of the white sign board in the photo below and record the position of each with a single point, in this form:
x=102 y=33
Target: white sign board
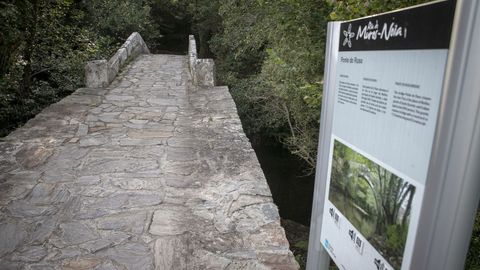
x=388 y=81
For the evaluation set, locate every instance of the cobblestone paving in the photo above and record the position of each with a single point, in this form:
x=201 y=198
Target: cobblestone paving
x=148 y=173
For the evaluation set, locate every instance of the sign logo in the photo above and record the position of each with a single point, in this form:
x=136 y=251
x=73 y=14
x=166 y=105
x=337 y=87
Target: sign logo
x=329 y=247
x=387 y=31
x=348 y=36
x=374 y=31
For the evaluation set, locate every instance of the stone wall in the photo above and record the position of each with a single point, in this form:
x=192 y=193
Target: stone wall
x=202 y=71
x=100 y=73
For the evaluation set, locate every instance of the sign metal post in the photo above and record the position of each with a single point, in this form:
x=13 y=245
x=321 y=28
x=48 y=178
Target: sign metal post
x=318 y=258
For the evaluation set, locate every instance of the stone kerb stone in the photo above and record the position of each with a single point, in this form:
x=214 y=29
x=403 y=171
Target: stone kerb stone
x=100 y=73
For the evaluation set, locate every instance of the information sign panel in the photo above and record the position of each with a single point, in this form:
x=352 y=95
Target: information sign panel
x=388 y=82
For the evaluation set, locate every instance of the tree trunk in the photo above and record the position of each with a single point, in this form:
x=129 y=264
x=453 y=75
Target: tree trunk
x=409 y=205
x=204 y=36
x=5 y=59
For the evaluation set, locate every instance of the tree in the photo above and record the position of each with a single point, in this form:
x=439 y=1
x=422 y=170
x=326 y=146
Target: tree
x=117 y=19
x=44 y=45
x=391 y=193
x=272 y=56
x=10 y=29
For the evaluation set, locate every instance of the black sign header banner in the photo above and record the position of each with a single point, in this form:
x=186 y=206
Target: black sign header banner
x=424 y=27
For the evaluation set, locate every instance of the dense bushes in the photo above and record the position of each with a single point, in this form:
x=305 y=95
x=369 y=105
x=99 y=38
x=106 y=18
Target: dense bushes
x=118 y=19
x=45 y=44
x=271 y=54
x=272 y=57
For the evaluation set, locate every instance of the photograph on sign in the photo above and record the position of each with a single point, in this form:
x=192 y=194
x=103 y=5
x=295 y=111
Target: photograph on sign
x=377 y=202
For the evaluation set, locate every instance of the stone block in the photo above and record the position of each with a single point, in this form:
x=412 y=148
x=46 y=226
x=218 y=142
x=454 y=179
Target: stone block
x=81 y=263
x=122 y=55
x=96 y=74
x=11 y=236
x=113 y=67
x=127 y=221
x=205 y=72
x=33 y=155
x=74 y=233
x=128 y=46
x=171 y=253
x=131 y=256
x=43 y=230
x=170 y=221
x=31 y=254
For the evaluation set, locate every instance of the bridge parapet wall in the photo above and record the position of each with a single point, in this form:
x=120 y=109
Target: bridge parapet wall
x=202 y=71
x=100 y=73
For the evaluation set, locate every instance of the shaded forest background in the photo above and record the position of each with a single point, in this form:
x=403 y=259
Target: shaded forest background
x=270 y=53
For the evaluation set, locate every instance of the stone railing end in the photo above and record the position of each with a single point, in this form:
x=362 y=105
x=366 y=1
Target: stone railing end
x=100 y=73
x=202 y=71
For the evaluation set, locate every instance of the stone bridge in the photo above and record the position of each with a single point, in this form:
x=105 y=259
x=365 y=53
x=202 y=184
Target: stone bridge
x=152 y=171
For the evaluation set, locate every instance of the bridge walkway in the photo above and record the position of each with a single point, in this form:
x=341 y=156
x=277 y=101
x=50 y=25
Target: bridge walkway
x=148 y=173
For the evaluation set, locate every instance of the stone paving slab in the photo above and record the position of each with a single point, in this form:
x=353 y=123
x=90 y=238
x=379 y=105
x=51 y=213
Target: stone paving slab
x=149 y=173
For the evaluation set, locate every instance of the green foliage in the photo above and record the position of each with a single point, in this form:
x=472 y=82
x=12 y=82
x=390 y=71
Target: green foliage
x=44 y=45
x=9 y=35
x=303 y=244
x=302 y=250
x=119 y=18
x=473 y=255
x=352 y=9
x=271 y=54
x=271 y=57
